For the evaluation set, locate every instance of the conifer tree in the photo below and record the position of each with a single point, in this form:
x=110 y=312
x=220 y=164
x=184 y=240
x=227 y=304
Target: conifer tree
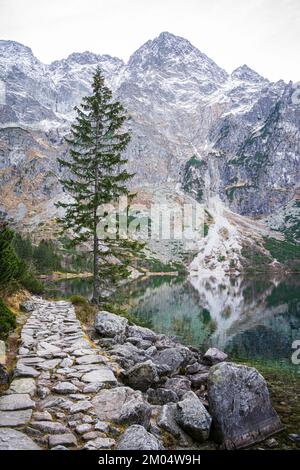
x=96 y=176
x=9 y=262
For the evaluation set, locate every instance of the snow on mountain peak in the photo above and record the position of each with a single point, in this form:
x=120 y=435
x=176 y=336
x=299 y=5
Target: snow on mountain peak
x=247 y=74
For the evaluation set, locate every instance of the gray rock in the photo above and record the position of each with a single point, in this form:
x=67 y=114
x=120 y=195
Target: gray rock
x=25 y=371
x=119 y=403
x=102 y=426
x=141 y=376
x=93 y=387
x=198 y=379
x=100 y=443
x=214 y=356
x=42 y=416
x=180 y=385
x=59 y=448
x=137 y=438
x=11 y=439
x=109 y=325
x=91 y=359
x=81 y=406
x=171 y=360
x=101 y=375
x=128 y=354
x=27 y=306
x=67 y=362
x=26 y=385
x=65 y=388
x=50 y=427
x=83 y=428
x=294 y=437
x=67 y=439
x=135 y=412
x=196 y=367
x=240 y=406
x=14 y=418
x=161 y=396
x=16 y=401
x=141 y=333
x=192 y=416
x=166 y=420
x=4 y=376
x=2 y=353
x=88 y=436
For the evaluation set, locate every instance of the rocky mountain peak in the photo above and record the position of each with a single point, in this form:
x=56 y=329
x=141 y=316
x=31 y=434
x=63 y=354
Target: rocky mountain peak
x=247 y=74
x=169 y=54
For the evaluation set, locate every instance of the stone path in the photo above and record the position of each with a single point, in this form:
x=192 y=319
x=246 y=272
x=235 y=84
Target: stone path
x=58 y=372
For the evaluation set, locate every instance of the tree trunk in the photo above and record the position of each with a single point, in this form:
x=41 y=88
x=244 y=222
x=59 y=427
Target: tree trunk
x=96 y=283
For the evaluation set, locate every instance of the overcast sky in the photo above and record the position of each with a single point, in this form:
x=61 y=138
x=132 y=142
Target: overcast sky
x=264 y=34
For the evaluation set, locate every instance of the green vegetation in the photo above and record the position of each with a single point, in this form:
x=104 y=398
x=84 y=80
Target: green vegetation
x=97 y=178
x=254 y=258
x=7 y=320
x=156 y=266
x=230 y=193
x=283 y=250
x=15 y=272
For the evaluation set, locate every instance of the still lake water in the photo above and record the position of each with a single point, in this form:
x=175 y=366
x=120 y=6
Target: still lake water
x=253 y=319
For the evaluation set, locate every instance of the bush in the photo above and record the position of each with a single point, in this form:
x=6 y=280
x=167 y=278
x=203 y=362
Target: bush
x=7 y=320
x=78 y=300
x=32 y=284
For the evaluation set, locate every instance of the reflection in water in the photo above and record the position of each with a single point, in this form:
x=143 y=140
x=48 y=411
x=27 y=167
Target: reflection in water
x=249 y=317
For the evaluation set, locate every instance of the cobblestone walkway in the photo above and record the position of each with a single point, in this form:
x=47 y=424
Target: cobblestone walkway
x=58 y=372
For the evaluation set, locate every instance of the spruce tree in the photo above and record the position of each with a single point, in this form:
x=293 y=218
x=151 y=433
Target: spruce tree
x=96 y=176
x=9 y=262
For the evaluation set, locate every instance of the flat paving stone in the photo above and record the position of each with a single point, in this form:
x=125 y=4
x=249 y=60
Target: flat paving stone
x=50 y=427
x=25 y=371
x=16 y=401
x=67 y=439
x=102 y=375
x=25 y=385
x=15 y=418
x=11 y=439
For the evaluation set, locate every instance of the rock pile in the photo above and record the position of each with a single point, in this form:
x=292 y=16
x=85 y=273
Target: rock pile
x=129 y=388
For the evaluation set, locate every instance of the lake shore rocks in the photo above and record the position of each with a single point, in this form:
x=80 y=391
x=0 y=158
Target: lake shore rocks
x=240 y=406
x=125 y=388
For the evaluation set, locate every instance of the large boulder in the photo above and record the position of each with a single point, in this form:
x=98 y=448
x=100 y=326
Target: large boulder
x=122 y=405
x=110 y=325
x=141 y=376
x=240 y=406
x=137 y=438
x=193 y=417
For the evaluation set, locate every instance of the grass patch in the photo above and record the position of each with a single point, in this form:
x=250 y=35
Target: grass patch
x=7 y=320
x=282 y=250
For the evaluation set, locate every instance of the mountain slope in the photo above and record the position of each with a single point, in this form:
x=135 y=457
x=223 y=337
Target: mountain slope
x=195 y=127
